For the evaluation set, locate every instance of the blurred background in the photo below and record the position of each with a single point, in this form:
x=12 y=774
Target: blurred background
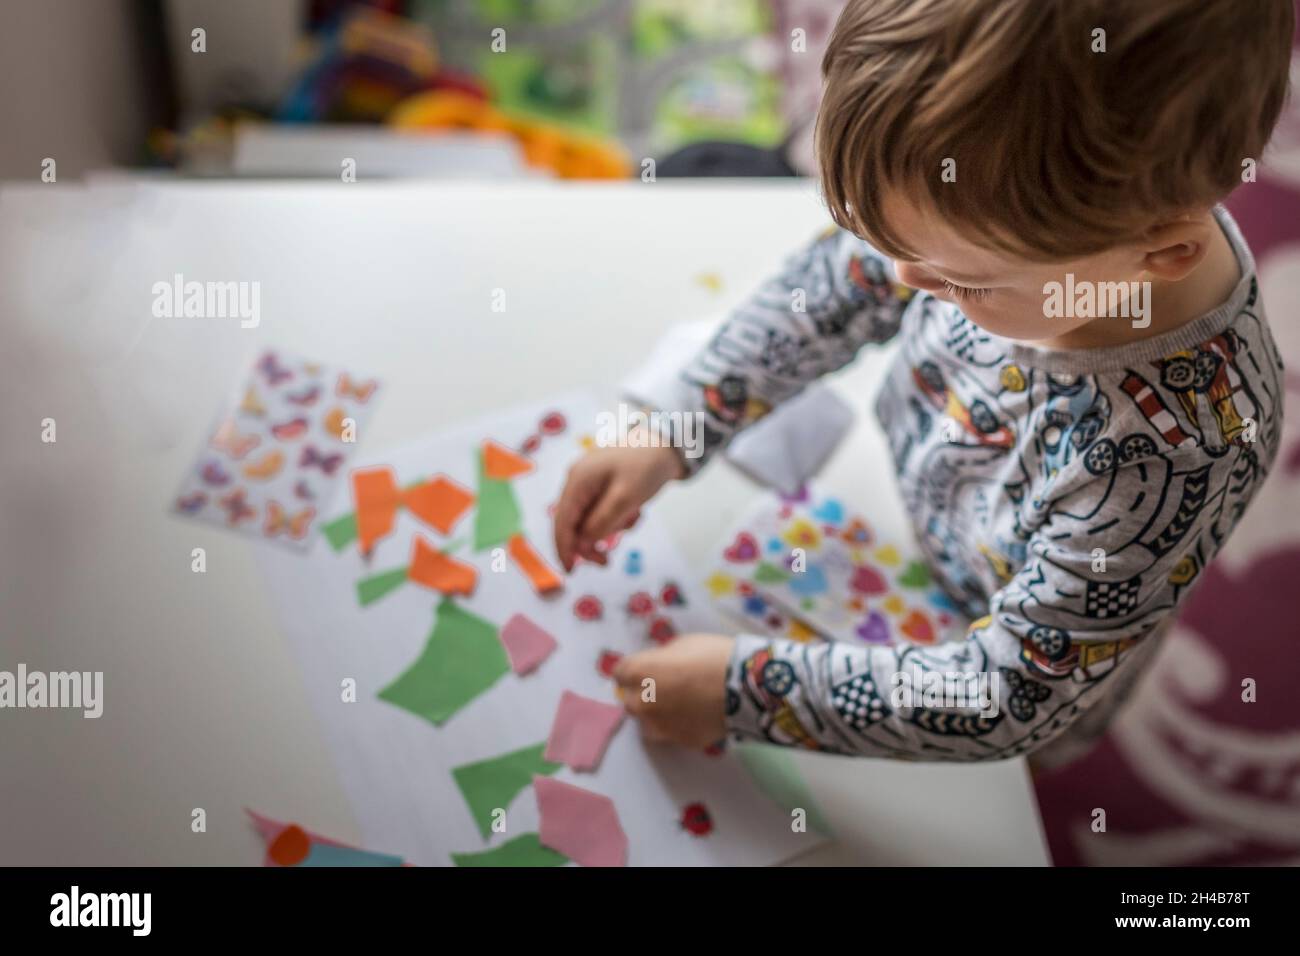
x=251 y=88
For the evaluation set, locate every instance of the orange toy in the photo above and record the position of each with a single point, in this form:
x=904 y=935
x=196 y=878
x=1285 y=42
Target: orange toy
x=546 y=146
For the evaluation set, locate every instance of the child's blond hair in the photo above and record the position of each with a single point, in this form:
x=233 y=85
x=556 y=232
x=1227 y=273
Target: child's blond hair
x=1065 y=127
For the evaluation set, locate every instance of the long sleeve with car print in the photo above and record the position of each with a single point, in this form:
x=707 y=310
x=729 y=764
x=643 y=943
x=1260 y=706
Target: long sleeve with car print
x=1067 y=501
x=832 y=298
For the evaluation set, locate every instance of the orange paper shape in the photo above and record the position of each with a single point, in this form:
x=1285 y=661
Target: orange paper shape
x=439 y=503
x=439 y=571
x=376 y=495
x=502 y=464
x=530 y=562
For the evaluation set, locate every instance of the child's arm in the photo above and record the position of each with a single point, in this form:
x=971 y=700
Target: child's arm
x=1107 y=564
x=832 y=297
x=1105 y=567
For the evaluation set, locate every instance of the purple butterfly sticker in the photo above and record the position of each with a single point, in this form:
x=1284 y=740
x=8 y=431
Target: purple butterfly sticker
x=326 y=463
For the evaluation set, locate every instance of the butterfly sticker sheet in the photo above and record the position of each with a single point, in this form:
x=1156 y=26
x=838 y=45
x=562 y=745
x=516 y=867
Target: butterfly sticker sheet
x=808 y=567
x=278 y=448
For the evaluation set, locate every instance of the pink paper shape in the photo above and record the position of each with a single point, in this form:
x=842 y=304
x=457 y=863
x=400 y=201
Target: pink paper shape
x=582 y=730
x=580 y=824
x=527 y=645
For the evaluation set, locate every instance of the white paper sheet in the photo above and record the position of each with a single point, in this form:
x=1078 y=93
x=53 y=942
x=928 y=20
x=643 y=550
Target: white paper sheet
x=396 y=767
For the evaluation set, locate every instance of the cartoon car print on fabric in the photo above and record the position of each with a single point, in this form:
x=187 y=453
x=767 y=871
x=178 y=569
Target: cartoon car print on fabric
x=978 y=420
x=1076 y=413
x=769 y=680
x=1049 y=651
x=1207 y=376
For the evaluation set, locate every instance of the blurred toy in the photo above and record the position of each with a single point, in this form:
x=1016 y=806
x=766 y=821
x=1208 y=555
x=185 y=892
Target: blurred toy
x=567 y=154
x=365 y=66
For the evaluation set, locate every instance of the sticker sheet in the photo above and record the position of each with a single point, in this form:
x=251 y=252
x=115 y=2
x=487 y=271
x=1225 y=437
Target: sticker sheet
x=809 y=567
x=462 y=679
x=278 y=450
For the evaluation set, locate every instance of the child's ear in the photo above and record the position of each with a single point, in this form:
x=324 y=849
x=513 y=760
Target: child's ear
x=1173 y=249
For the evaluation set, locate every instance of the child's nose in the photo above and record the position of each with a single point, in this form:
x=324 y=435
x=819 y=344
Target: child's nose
x=909 y=273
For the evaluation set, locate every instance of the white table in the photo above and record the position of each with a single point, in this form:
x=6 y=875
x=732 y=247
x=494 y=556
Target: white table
x=204 y=705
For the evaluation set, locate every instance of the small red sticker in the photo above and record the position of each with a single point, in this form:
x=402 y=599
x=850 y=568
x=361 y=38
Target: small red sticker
x=662 y=630
x=696 y=819
x=672 y=595
x=640 y=604
x=588 y=608
x=607 y=661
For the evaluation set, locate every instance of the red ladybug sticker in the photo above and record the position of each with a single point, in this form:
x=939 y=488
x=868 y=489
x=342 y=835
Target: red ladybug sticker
x=696 y=819
x=640 y=604
x=552 y=424
x=606 y=662
x=662 y=630
x=672 y=595
x=588 y=608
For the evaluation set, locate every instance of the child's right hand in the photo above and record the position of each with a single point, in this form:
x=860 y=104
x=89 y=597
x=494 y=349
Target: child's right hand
x=604 y=493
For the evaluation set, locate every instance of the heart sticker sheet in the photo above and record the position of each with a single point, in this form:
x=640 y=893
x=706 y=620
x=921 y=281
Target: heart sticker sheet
x=277 y=449
x=808 y=567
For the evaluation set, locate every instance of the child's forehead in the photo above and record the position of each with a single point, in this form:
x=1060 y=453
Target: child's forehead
x=942 y=245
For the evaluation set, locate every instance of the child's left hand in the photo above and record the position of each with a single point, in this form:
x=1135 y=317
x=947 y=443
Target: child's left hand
x=688 y=703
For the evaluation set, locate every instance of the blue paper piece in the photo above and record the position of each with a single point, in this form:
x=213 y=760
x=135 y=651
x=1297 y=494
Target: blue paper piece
x=322 y=854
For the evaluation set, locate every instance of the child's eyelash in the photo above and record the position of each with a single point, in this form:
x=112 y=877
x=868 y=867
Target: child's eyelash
x=964 y=292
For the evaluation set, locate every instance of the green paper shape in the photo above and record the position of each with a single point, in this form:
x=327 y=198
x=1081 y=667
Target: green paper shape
x=462 y=659
x=767 y=573
x=917 y=575
x=497 y=519
x=526 y=850
x=340 y=532
x=776 y=774
x=376 y=586
x=495 y=782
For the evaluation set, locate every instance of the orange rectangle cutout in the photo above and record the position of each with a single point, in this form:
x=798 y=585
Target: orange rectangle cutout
x=539 y=573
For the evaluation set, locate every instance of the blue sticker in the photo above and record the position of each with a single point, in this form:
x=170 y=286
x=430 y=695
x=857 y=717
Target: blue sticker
x=809 y=582
x=829 y=511
x=633 y=566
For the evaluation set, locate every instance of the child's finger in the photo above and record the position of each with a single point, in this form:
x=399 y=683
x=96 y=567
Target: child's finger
x=569 y=514
x=614 y=507
x=588 y=552
x=589 y=548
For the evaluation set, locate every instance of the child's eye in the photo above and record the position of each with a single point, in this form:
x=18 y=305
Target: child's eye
x=964 y=291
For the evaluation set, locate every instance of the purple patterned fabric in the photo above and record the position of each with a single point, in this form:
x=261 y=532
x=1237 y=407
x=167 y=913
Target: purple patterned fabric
x=1194 y=771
